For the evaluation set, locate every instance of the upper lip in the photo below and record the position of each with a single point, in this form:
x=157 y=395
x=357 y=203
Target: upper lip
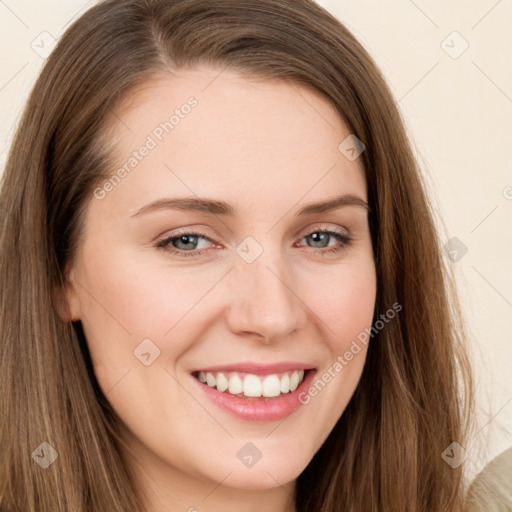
x=260 y=369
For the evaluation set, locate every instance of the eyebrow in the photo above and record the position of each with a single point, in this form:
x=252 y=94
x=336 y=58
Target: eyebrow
x=215 y=207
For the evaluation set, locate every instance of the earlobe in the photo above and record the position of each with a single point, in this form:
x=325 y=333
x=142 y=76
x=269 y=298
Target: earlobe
x=66 y=298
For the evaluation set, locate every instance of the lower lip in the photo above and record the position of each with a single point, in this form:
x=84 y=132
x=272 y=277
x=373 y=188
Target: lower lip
x=273 y=409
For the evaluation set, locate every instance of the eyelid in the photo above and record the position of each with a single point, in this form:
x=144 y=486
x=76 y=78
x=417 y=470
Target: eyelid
x=176 y=234
x=325 y=227
x=190 y=230
x=162 y=242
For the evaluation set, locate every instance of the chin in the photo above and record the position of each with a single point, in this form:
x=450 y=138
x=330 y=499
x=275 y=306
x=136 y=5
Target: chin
x=263 y=475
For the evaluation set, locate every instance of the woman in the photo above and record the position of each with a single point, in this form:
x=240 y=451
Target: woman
x=255 y=371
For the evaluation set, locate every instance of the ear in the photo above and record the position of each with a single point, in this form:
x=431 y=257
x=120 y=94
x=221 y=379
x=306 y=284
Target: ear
x=66 y=299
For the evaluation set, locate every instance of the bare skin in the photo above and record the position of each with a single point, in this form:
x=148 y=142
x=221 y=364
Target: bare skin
x=268 y=149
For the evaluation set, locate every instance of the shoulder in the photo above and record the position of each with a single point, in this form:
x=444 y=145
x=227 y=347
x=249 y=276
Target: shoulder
x=491 y=490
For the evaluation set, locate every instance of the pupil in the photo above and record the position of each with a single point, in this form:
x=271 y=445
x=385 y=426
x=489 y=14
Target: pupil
x=186 y=239
x=317 y=237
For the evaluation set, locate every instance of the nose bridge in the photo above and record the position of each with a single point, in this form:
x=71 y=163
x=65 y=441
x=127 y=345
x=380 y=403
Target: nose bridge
x=264 y=301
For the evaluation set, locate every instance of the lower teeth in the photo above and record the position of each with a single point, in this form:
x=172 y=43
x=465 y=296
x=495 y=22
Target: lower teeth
x=258 y=398
x=241 y=395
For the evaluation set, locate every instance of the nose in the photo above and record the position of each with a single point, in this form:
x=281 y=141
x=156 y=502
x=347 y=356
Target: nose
x=265 y=301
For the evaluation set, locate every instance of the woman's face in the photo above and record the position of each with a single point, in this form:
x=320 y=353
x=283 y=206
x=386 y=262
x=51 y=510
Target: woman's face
x=249 y=291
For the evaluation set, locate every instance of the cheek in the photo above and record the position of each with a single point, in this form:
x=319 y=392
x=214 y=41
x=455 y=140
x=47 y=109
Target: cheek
x=344 y=299
x=123 y=302
x=122 y=295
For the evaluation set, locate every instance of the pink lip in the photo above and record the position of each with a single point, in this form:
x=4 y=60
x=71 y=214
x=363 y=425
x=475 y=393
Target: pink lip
x=257 y=409
x=260 y=369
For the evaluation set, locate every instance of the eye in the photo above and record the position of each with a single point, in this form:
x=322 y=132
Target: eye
x=322 y=237
x=178 y=244
x=186 y=244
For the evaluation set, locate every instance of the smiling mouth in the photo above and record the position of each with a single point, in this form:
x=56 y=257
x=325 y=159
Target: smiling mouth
x=251 y=385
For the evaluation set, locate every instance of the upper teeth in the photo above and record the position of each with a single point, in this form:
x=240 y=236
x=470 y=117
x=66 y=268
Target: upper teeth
x=253 y=385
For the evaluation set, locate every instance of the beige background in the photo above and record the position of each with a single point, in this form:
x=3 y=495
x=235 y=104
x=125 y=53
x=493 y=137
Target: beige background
x=457 y=103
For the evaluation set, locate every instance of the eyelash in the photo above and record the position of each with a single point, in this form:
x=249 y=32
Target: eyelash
x=164 y=244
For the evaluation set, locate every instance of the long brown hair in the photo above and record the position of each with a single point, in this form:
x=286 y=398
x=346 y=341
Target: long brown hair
x=414 y=397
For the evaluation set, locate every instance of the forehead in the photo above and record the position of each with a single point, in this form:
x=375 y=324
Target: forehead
x=215 y=132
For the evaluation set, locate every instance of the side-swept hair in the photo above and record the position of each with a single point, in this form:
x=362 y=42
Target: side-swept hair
x=414 y=396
